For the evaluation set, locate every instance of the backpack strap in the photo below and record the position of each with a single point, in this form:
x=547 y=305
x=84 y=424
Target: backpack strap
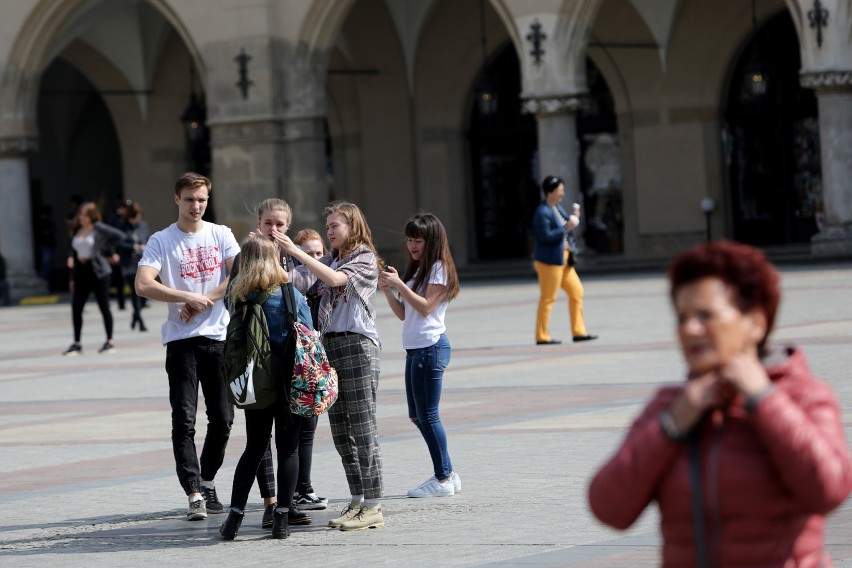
x=290 y=301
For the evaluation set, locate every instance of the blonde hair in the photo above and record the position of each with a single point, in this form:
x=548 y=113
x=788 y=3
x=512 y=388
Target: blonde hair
x=260 y=269
x=275 y=204
x=309 y=235
x=359 y=231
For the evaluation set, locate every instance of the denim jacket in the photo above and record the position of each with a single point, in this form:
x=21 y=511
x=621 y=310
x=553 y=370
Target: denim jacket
x=277 y=320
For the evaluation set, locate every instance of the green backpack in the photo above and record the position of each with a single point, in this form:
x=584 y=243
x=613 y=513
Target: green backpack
x=251 y=368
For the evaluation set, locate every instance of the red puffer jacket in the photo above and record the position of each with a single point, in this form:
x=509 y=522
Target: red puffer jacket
x=768 y=478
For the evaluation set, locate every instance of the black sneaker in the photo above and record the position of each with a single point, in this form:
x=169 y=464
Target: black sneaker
x=309 y=502
x=107 y=348
x=74 y=349
x=268 y=516
x=197 y=511
x=213 y=504
x=297 y=517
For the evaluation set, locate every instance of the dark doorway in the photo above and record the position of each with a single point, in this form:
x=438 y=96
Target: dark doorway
x=503 y=152
x=771 y=138
x=78 y=155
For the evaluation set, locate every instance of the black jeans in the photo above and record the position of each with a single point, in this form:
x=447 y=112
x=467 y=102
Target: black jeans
x=190 y=362
x=258 y=429
x=85 y=283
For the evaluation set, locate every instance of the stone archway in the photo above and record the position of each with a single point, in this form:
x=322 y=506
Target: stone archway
x=141 y=87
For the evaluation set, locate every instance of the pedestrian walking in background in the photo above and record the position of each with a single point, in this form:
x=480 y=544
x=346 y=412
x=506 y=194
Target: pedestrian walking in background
x=554 y=263
x=345 y=282
x=748 y=456
x=192 y=258
x=420 y=300
x=92 y=243
x=261 y=274
x=45 y=233
x=137 y=231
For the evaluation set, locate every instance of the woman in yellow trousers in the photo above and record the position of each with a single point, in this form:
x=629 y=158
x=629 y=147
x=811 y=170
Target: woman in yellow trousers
x=554 y=264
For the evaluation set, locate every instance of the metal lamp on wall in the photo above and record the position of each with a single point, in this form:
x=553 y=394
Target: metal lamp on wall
x=486 y=96
x=756 y=78
x=194 y=120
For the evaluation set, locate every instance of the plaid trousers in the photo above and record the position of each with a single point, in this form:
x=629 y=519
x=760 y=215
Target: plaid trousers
x=353 y=417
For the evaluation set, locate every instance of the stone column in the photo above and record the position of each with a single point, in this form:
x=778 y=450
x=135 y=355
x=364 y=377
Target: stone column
x=558 y=147
x=834 y=96
x=306 y=183
x=16 y=234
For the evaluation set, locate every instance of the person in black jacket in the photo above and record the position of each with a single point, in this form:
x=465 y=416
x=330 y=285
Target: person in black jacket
x=92 y=242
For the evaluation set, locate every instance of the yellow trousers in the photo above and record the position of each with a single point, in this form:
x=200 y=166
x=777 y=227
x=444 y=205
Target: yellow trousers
x=550 y=279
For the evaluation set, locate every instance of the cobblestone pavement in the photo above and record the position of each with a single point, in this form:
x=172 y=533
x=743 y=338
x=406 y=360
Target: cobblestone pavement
x=87 y=473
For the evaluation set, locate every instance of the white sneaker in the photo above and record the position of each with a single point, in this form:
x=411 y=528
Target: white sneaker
x=433 y=488
x=456 y=479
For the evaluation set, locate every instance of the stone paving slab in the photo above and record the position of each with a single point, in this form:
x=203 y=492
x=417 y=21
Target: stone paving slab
x=87 y=474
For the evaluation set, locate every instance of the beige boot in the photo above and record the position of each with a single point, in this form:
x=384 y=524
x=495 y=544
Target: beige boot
x=346 y=515
x=367 y=518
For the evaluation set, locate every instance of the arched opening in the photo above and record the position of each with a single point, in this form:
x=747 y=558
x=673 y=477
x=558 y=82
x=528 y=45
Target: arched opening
x=112 y=111
x=600 y=167
x=771 y=136
x=79 y=155
x=504 y=164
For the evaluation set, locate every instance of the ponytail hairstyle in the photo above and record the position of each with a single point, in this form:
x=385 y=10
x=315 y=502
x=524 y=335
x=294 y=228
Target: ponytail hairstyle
x=275 y=204
x=436 y=248
x=260 y=269
x=359 y=231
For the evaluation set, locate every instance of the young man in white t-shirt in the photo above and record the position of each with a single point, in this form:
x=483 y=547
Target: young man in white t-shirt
x=193 y=259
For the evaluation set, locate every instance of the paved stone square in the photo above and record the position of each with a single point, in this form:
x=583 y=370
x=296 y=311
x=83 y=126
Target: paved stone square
x=87 y=474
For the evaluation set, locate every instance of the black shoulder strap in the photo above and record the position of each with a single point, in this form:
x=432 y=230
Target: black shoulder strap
x=290 y=300
x=697 y=500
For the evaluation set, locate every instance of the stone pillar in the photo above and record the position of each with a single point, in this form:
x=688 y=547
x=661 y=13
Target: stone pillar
x=16 y=235
x=834 y=96
x=558 y=147
x=306 y=183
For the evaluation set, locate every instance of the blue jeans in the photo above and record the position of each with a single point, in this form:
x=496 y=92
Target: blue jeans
x=424 y=376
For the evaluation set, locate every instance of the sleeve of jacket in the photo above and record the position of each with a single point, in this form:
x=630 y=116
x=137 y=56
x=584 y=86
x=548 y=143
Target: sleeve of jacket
x=544 y=229
x=111 y=235
x=806 y=442
x=627 y=483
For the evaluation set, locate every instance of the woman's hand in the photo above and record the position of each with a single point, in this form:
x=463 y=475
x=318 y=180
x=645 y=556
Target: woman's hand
x=698 y=396
x=746 y=374
x=284 y=242
x=389 y=278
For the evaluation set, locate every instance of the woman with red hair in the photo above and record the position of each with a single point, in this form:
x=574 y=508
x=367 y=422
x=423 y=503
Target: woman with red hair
x=748 y=456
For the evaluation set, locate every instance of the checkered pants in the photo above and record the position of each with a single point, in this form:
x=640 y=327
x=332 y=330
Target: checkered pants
x=353 y=417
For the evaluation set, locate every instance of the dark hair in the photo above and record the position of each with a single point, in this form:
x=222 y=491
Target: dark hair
x=752 y=279
x=550 y=183
x=192 y=180
x=437 y=247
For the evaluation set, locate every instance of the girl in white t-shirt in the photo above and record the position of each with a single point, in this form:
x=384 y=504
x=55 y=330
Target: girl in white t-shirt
x=425 y=289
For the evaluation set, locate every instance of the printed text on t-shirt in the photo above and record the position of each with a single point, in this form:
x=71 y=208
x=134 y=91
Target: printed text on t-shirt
x=199 y=264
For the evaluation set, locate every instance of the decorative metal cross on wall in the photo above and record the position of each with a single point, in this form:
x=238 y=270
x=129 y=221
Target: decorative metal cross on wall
x=536 y=36
x=818 y=17
x=242 y=61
